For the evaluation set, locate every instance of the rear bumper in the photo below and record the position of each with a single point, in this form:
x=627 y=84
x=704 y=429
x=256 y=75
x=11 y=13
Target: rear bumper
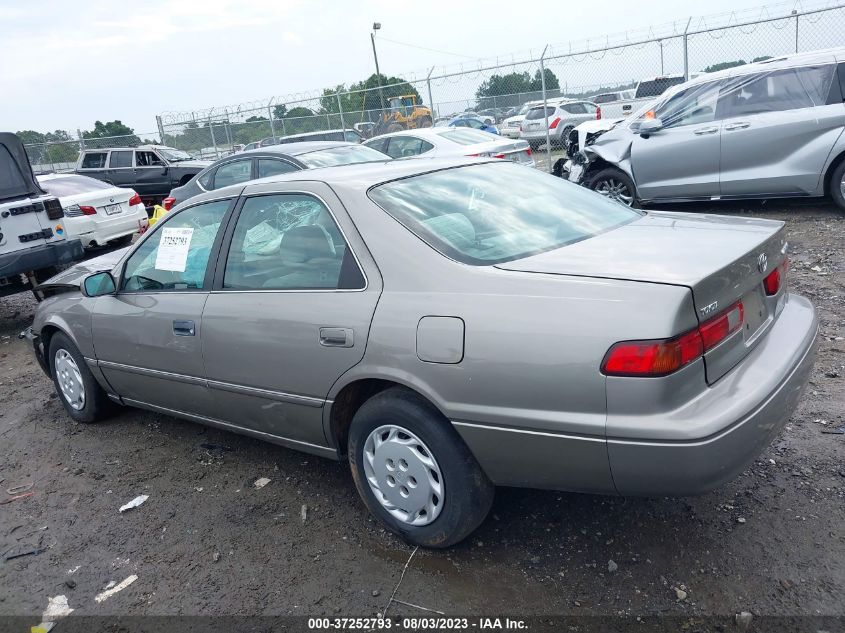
x=754 y=400
x=40 y=257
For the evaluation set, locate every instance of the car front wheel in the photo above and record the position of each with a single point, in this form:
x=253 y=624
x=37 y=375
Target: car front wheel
x=616 y=185
x=81 y=395
x=837 y=186
x=414 y=472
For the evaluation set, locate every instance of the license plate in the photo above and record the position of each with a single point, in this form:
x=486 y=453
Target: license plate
x=754 y=309
x=113 y=209
x=575 y=172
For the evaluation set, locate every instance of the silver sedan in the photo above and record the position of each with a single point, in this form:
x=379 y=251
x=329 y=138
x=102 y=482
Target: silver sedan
x=446 y=328
x=448 y=142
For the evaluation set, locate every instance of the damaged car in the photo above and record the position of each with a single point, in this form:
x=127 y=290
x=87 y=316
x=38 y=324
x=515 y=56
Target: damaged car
x=772 y=129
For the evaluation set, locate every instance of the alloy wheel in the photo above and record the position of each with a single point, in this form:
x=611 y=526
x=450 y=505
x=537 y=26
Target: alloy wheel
x=615 y=189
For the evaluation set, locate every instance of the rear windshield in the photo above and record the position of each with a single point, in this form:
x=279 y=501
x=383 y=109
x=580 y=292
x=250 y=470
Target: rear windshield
x=342 y=155
x=537 y=113
x=71 y=185
x=467 y=136
x=657 y=86
x=610 y=97
x=497 y=212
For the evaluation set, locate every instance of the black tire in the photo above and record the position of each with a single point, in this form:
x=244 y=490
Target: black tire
x=835 y=186
x=467 y=492
x=609 y=179
x=564 y=135
x=97 y=405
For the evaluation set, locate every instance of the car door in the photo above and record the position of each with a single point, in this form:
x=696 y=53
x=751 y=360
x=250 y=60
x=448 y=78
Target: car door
x=151 y=174
x=148 y=335
x=290 y=311
x=682 y=159
x=119 y=171
x=778 y=130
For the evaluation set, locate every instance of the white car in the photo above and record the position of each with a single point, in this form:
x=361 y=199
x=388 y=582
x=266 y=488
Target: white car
x=441 y=142
x=95 y=211
x=510 y=126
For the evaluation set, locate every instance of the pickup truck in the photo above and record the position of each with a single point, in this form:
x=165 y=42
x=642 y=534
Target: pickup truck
x=619 y=104
x=151 y=170
x=33 y=240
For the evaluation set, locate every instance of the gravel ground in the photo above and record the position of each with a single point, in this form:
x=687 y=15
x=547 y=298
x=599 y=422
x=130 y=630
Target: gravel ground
x=772 y=542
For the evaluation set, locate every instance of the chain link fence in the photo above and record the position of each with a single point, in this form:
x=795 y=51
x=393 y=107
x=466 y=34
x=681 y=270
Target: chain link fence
x=604 y=70
x=60 y=156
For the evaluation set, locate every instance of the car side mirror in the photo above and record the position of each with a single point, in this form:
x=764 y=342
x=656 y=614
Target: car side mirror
x=99 y=284
x=164 y=170
x=649 y=127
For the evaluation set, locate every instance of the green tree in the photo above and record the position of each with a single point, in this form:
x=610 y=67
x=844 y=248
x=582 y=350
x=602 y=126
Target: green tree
x=514 y=83
x=279 y=111
x=112 y=128
x=253 y=119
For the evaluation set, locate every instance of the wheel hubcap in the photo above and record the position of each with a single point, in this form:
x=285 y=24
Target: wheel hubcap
x=615 y=190
x=403 y=475
x=70 y=379
x=842 y=185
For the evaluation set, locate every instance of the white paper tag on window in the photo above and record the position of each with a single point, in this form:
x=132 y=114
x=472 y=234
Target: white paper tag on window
x=173 y=249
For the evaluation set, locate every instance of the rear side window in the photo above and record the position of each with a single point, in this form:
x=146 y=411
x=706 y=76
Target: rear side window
x=787 y=89
x=272 y=167
x=94 y=160
x=539 y=113
x=120 y=159
x=404 y=146
x=497 y=212
x=233 y=173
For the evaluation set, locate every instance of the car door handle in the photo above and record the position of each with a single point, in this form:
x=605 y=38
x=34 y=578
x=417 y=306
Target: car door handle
x=705 y=130
x=737 y=126
x=184 y=328
x=336 y=337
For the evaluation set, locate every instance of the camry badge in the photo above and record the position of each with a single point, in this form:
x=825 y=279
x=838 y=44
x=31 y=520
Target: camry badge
x=762 y=263
x=111 y=199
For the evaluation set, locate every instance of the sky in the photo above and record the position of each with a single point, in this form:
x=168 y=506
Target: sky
x=65 y=64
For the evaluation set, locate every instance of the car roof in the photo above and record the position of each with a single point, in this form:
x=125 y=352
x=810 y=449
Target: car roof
x=295 y=149
x=422 y=132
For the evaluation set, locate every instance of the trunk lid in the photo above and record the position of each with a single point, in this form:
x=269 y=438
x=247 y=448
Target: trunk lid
x=722 y=260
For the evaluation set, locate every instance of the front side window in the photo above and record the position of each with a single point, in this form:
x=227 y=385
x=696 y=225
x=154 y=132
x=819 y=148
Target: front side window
x=341 y=155
x=175 y=257
x=120 y=159
x=233 y=173
x=148 y=159
x=692 y=106
x=273 y=167
x=94 y=160
x=775 y=91
x=497 y=212
x=403 y=146
x=289 y=242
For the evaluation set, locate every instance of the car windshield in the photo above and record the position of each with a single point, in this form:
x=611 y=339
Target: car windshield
x=174 y=155
x=341 y=155
x=467 y=136
x=497 y=212
x=71 y=185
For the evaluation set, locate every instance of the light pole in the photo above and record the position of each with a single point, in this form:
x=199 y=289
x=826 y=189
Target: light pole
x=376 y=27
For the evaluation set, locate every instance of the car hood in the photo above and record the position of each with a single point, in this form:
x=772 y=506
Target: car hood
x=73 y=276
x=712 y=255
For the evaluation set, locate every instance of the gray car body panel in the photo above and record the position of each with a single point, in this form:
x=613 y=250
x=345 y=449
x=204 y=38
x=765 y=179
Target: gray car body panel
x=526 y=392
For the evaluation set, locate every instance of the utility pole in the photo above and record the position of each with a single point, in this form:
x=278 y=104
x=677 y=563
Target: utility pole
x=376 y=27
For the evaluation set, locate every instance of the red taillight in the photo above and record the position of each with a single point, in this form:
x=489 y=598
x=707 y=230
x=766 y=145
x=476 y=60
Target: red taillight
x=663 y=357
x=168 y=203
x=528 y=151
x=135 y=199
x=554 y=123
x=87 y=210
x=715 y=330
x=774 y=280
x=598 y=113
x=498 y=155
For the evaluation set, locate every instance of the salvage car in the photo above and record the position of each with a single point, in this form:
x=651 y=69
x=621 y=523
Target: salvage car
x=440 y=142
x=270 y=161
x=96 y=212
x=560 y=117
x=446 y=326
x=771 y=129
x=151 y=170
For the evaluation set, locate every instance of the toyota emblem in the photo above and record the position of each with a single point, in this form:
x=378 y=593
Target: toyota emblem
x=111 y=199
x=762 y=263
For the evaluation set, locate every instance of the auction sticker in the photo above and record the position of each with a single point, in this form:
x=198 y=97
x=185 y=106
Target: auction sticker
x=173 y=249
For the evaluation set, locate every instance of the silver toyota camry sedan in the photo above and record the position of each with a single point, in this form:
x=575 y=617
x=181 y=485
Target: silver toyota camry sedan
x=446 y=327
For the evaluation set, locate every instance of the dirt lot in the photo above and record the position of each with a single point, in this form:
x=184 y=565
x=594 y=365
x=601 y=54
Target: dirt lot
x=208 y=542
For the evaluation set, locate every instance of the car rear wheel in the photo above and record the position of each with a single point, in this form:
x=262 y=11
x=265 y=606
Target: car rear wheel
x=79 y=392
x=616 y=185
x=837 y=186
x=414 y=472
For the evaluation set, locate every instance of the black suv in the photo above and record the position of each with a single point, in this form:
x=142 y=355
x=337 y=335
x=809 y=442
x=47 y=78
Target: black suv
x=151 y=170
